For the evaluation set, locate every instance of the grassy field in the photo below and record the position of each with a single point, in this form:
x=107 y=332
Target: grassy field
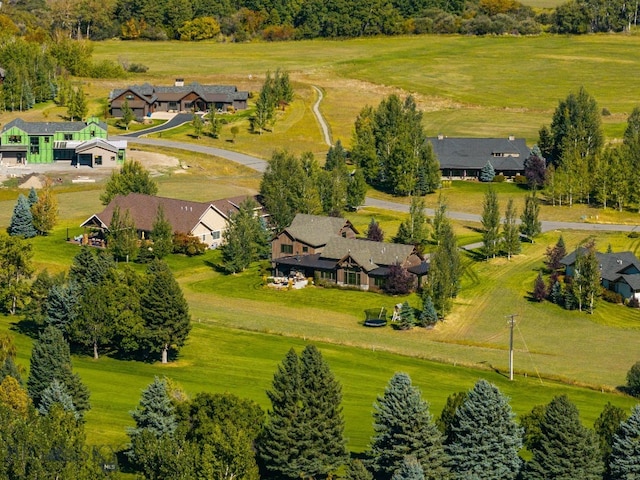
x=242 y=330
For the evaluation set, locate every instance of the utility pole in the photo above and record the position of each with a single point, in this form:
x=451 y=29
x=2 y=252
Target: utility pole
x=512 y=322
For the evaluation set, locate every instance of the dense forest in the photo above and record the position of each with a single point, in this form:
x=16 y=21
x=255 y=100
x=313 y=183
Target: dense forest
x=242 y=20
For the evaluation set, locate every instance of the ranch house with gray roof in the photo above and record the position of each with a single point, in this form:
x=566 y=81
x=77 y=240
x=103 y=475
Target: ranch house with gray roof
x=464 y=158
x=146 y=98
x=619 y=272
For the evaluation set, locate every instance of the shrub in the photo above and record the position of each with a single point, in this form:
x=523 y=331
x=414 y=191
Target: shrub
x=188 y=244
x=633 y=234
x=611 y=296
x=519 y=180
x=606 y=112
x=633 y=379
x=137 y=68
x=634 y=302
x=499 y=178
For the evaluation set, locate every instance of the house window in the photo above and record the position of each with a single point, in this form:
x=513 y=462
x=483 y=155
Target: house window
x=47 y=139
x=173 y=105
x=188 y=105
x=129 y=97
x=120 y=155
x=328 y=275
x=34 y=145
x=68 y=136
x=305 y=249
x=204 y=237
x=15 y=138
x=215 y=235
x=286 y=248
x=380 y=281
x=344 y=234
x=98 y=159
x=113 y=159
x=352 y=278
x=93 y=133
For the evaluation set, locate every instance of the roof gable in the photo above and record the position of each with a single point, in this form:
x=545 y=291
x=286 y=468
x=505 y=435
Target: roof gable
x=368 y=254
x=316 y=230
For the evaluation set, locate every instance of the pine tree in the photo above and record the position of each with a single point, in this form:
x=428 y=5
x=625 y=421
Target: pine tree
x=530 y=226
x=555 y=294
x=303 y=436
x=155 y=413
x=22 y=219
x=510 y=231
x=245 y=239
x=490 y=223
x=90 y=267
x=33 y=197
x=51 y=359
x=565 y=448
x=10 y=369
x=487 y=173
x=164 y=310
x=606 y=426
x=56 y=393
x=428 y=316
x=357 y=471
x=445 y=420
x=407 y=318
x=403 y=426
x=410 y=469
x=336 y=157
x=61 y=306
x=624 y=461
x=555 y=254
x=484 y=439
x=45 y=210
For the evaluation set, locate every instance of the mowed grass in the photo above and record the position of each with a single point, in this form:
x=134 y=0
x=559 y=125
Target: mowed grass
x=467 y=86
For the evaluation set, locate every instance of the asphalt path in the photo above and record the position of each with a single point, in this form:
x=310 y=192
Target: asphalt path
x=176 y=121
x=323 y=124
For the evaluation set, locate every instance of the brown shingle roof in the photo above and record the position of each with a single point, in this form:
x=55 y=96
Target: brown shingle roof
x=368 y=254
x=315 y=230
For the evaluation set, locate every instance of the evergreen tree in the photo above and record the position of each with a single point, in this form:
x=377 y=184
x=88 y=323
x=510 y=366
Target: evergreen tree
x=403 y=426
x=61 y=306
x=246 y=239
x=356 y=189
x=155 y=413
x=487 y=173
x=22 y=219
x=336 y=157
x=555 y=254
x=132 y=178
x=374 y=232
x=565 y=448
x=357 y=471
x=490 y=223
x=45 y=210
x=586 y=277
x=444 y=272
x=530 y=226
x=510 y=231
x=624 y=461
x=33 y=197
x=90 y=267
x=51 y=359
x=428 y=316
x=555 y=293
x=10 y=369
x=606 y=426
x=56 y=393
x=535 y=169
x=407 y=318
x=164 y=310
x=410 y=469
x=161 y=235
x=445 y=420
x=303 y=436
x=539 y=288
x=633 y=380
x=484 y=439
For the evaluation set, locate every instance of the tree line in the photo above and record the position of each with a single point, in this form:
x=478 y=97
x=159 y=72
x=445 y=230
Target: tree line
x=301 y=435
x=243 y=20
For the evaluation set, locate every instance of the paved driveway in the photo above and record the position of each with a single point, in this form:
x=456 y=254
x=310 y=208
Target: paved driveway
x=176 y=121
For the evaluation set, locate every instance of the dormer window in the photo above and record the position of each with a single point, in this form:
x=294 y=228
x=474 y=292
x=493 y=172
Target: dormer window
x=129 y=97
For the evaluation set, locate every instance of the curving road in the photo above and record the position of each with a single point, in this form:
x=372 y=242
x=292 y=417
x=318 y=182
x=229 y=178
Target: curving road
x=176 y=121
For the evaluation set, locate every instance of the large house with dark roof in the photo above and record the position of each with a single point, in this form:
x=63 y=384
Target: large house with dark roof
x=145 y=99
x=77 y=143
x=205 y=220
x=326 y=248
x=465 y=157
x=619 y=272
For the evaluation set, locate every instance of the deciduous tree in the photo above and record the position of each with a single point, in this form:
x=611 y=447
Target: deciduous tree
x=122 y=238
x=414 y=230
x=490 y=223
x=531 y=225
x=161 y=235
x=246 y=239
x=127 y=115
x=197 y=125
x=16 y=269
x=510 y=231
x=132 y=178
x=606 y=426
x=45 y=210
x=586 y=277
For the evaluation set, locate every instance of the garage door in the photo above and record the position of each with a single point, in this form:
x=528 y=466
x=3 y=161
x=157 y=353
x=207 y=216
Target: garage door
x=86 y=159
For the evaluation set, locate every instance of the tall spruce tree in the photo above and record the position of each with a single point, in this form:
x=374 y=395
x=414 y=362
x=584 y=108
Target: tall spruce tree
x=51 y=360
x=410 y=469
x=624 y=461
x=564 y=447
x=484 y=438
x=303 y=436
x=491 y=223
x=33 y=197
x=56 y=393
x=155 y=413
x=164 y=310
x=487 y=173
x=404 y=426
x=606 y=426
x=22 y=219
x=161 y=235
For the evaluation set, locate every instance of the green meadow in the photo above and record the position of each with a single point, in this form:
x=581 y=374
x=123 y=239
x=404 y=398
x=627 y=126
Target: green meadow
x=242 y=329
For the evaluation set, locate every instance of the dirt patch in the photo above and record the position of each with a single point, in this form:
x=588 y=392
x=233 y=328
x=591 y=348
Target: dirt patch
x=154 y=162
x=31 y=181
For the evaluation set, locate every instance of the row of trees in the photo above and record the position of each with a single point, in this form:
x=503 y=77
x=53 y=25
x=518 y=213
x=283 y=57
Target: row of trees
x=580 y=167
x=292 y=185
x=276 y=93
x=288 y=20
x=302 y=434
